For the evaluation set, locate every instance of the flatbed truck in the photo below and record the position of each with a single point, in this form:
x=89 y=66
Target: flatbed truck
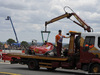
x=79 y=56
x=83 y=51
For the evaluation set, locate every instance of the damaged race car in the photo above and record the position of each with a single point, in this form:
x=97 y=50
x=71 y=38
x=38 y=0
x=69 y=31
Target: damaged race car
x=46 y=49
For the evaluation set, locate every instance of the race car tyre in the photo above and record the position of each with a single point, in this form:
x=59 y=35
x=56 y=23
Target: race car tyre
x=30 y=52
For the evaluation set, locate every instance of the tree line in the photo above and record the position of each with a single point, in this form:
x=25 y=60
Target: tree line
x=10 y=41
x=23 y=43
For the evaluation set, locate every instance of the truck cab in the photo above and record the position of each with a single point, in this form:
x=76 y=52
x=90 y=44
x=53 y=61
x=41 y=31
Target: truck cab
x=86 y=48
x=90 y=45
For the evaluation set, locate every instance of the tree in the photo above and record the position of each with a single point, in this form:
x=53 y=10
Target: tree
x=1 y=43
x=24 y=43
x=10 y=41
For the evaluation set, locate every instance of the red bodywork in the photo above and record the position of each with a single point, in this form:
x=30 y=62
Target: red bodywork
x=42 y=49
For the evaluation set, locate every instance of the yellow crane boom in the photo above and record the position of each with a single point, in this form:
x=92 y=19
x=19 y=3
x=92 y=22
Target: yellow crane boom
x=68 y=15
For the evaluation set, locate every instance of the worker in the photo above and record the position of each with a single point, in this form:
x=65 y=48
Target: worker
x=45 y=42
x=58 y=40
x=5 y=46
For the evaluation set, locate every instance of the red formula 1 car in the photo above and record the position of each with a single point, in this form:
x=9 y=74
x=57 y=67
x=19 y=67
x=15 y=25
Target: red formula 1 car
x=46 y=49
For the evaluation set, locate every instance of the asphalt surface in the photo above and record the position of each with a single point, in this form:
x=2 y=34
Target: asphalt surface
x=17 y=69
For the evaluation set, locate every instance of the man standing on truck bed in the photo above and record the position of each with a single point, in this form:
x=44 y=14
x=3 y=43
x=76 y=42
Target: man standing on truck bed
x=58 y=39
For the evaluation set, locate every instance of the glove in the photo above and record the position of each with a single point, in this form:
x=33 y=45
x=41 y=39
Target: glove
x=56 y=44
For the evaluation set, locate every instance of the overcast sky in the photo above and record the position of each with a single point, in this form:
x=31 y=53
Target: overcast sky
x=29 y=17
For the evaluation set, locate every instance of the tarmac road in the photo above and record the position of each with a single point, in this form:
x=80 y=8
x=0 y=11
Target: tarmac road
x=17 y=69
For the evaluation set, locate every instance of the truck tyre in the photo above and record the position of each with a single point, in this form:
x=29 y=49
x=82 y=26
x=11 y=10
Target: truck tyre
x=51 y=69
x=95 y=68
x=33 y=65
x=85 y=67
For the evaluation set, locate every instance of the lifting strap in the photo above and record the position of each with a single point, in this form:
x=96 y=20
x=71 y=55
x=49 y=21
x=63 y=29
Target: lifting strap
x=43 y=36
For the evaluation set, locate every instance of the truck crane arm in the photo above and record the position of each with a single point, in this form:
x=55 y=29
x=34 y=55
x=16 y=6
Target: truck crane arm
x=68 y=15
x=82 y=23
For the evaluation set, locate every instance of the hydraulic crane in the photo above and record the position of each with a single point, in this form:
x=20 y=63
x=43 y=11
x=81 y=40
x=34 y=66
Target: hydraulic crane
x=9 y=18
x=80 y=22
x=68 y=15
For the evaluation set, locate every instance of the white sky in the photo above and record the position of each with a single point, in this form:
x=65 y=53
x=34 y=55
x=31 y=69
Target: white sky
x=29 y=17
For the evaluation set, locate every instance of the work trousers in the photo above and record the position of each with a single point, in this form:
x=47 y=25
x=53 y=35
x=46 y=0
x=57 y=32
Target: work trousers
x=59 y=48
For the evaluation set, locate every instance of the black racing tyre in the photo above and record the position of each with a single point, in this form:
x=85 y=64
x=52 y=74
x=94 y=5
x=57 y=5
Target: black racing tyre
x=33 y=65
x=95 y=68
x=33 y=53
x=29 y=52
x=46 y=54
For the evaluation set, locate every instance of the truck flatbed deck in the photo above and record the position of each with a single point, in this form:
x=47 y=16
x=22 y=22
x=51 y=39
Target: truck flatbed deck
x=38 y=57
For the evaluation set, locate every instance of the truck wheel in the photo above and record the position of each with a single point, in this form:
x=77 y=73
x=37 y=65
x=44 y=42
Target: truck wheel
x=13 y=61
x=95 y=68
x=33 y=65
x=51 y=69
x=85 y=67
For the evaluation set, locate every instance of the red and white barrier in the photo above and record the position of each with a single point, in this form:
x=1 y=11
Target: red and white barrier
x=0 y=51
x=12 y=51
x=4 y=52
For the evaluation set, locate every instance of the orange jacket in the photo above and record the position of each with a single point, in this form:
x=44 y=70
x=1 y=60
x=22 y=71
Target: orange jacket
x=59 y=38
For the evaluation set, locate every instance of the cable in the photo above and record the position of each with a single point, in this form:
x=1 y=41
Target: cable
x=69 y=8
